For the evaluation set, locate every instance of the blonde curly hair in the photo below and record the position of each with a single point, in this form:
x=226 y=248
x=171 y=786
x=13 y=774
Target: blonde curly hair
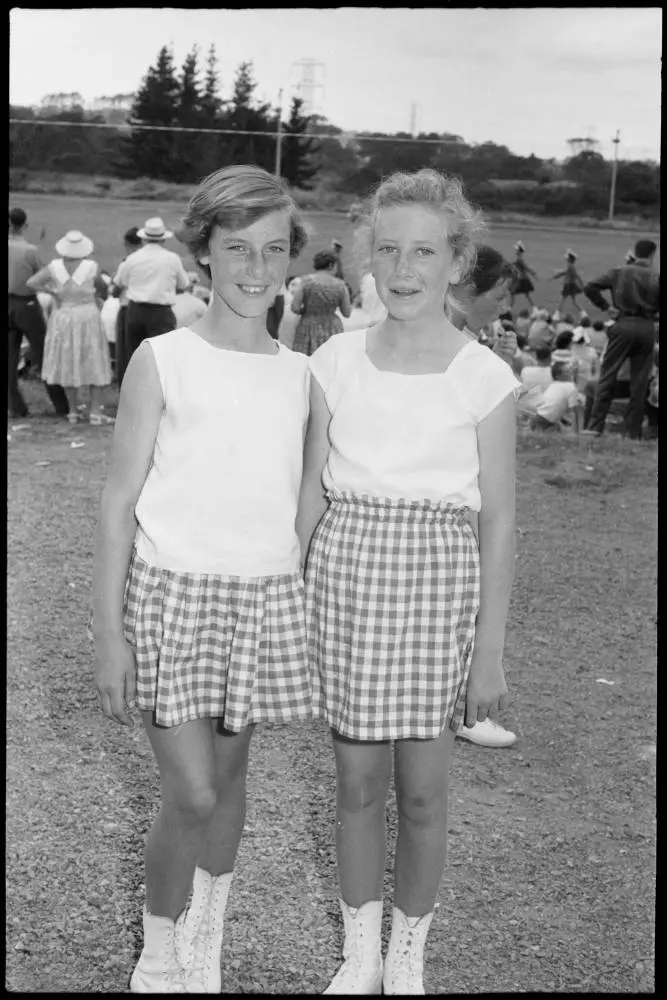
x=436 y=191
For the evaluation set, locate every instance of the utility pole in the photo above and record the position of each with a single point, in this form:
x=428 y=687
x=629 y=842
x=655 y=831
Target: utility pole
x=279 y=133
x=614 y=167
x=413 y=119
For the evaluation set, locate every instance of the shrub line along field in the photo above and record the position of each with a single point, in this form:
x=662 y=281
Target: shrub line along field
x=105 y=221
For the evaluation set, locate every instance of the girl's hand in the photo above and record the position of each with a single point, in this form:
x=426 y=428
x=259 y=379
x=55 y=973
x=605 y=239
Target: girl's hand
x=487 y=690
x=115 y=679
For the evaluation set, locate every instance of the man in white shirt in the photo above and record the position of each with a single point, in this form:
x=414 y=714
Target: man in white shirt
x=151 y=278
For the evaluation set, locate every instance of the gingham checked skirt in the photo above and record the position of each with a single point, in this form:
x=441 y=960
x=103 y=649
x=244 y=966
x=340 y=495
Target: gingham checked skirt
x=213 y=646
x=392 y=594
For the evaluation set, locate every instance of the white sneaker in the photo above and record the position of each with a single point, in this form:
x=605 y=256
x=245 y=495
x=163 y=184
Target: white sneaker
x=487 y=734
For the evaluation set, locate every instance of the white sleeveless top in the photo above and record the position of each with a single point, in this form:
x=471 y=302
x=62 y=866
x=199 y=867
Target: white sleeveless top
x=407 y=436
x=222 y=491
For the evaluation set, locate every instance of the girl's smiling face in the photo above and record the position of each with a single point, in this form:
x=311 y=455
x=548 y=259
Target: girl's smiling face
x=248 y=266
x=413 y=262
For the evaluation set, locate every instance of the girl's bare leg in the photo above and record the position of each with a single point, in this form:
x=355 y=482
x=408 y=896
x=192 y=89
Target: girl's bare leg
x=421 y=771
x=363 y=771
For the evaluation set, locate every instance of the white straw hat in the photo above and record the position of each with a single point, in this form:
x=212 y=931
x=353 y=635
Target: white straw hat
x=519 y=246
x=154 y=229
x=74 y=244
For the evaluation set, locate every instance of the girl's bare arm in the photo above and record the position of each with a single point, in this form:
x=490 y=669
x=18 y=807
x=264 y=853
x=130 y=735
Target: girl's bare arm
x=312 y=502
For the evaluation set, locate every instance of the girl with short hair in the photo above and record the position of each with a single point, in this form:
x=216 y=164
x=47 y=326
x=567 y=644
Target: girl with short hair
x=198 y=598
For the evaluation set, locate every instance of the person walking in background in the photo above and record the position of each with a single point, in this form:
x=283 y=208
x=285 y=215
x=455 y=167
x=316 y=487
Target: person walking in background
x=573 y=283
x=635 y=294
x=151 y=276
x=25 y=317
x=198 y=599
x=76 y=351
x=131 y=242
x=412 y=426
x=522 y=283
x=316 y=300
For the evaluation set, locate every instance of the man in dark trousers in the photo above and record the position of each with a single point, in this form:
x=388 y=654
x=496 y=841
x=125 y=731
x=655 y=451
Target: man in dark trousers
x=635 y=294
x=151 y=278
x=26 y=318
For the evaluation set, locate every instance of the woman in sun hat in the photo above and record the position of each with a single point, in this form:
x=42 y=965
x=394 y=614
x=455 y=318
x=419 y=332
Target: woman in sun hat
x=573 y=283
x=522 y=284
x=151 y=278
x=76 y=351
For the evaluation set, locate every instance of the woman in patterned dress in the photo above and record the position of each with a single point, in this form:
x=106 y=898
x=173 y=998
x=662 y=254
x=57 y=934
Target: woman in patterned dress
x=76 y=351
x=412 y=428
x=316 y=301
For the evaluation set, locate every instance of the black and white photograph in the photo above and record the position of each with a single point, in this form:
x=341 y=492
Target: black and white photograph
x=296 y=704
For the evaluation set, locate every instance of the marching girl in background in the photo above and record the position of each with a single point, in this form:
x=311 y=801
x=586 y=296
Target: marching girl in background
x=573 y=283
x=412 y=427
x=522 y=283
x=198 y=599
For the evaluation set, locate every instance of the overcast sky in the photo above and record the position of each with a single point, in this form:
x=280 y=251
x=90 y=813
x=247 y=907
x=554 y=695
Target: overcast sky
x=527 y=78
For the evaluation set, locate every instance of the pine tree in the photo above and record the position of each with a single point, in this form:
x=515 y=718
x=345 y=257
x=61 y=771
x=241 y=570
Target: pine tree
x=186 y=145
x=296 y=162
x=151 y=154
x=246 y=115
x=213 y=150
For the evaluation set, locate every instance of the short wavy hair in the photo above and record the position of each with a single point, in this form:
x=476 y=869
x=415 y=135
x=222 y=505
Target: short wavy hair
x=233 y=198
x=324 y=259
x=436 y=191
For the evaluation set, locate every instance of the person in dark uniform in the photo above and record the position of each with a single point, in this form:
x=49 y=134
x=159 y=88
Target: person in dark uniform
x=25 y=317
x=635 y=294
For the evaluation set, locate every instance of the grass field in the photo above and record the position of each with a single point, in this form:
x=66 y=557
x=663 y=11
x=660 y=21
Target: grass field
x=105 y=221
x=550 y=884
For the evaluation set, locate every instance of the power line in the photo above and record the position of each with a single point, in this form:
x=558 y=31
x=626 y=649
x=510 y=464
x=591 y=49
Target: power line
x=125 y=127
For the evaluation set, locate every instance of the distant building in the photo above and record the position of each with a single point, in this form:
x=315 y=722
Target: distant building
x=119 y=102
x=63 y=102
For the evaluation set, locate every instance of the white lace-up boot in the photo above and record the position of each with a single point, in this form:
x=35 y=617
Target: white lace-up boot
x=404 y=964
x=200 y=932
x=361 y=971
x=158 y=969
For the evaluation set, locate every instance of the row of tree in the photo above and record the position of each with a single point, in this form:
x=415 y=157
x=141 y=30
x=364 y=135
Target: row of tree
x=242 y=129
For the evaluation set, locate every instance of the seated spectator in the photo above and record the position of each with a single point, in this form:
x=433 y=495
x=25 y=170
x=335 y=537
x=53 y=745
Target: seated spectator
x=522 y=322
x=558 y=400
x=526 y=355
x=563 y=347
x=187 y=308
x=541 y=333
x=563 y=324
x=534 y=380
x=586 y=358
x=598 y=337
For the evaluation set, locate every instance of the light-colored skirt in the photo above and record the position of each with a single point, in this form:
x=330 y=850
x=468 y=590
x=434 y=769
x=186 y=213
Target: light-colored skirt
x=209 y=646
x=76 y=352
x=392 y=595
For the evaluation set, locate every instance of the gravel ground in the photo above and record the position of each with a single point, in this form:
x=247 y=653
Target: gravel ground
x=550 y=884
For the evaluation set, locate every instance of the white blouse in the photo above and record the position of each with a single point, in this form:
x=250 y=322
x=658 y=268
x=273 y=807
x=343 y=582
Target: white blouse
x=222 y=490
x=409 y=436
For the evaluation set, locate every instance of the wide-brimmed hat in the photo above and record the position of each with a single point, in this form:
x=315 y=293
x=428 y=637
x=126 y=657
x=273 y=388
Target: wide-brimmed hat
x=74 y=244
x=518 y=246
x=570 y=253
x=154 y=229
